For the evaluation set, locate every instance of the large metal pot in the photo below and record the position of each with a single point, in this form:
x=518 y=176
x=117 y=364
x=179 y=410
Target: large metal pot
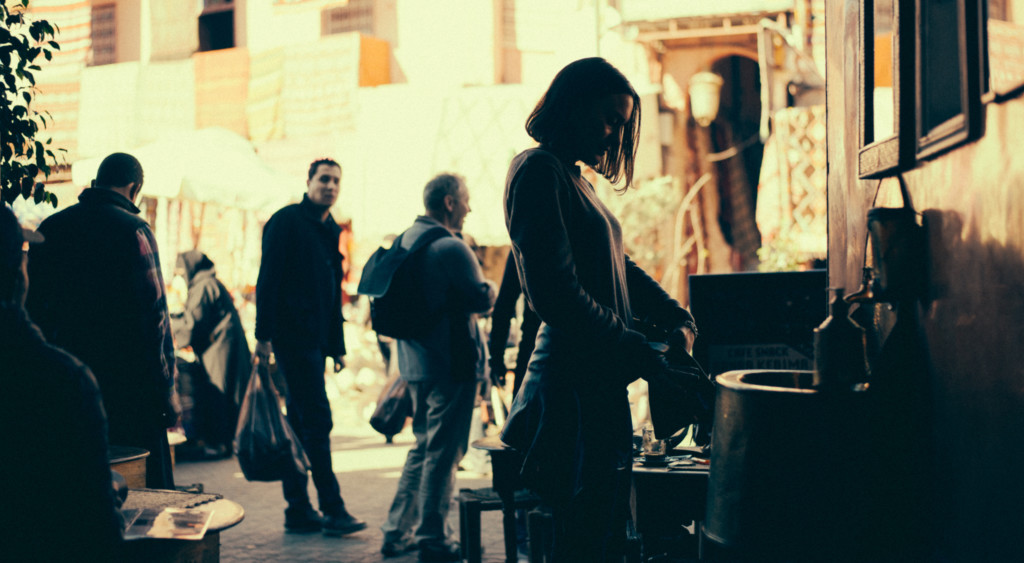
x=786 y=479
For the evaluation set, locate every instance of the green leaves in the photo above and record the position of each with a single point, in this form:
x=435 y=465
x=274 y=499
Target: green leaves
x=23 y=158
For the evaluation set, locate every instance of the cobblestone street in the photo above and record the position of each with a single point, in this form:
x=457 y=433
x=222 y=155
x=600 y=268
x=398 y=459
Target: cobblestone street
x=367 y=470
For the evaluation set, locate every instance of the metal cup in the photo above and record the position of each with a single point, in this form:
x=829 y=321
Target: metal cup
x=651 y=445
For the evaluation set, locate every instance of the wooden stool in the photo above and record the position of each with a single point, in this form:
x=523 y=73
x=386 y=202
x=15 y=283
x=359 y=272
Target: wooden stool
x=539 y=527
x=505 y=494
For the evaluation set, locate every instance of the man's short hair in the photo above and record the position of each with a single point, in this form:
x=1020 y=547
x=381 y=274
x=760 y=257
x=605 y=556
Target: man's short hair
x=316 y=164
x=119 y=170
x=439 y=186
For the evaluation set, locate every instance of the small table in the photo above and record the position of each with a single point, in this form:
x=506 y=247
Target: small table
x=664 y=500
x=130 y=462
x=226 y=513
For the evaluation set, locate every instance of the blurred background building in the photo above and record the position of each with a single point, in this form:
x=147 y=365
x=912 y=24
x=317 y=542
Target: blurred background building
x=227 y=101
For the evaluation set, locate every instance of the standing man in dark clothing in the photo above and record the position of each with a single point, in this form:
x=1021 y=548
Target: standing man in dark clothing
x=58 y=501
x=211 y=326
x=441 y=367
x=501 y=317
x=298 y=319
x=97 y=291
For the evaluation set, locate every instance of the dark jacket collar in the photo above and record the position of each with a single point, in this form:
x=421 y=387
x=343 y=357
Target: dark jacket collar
x=313 y=211
x=108 y=197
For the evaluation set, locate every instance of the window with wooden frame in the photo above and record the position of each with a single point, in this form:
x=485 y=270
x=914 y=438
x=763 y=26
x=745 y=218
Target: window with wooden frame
x=950 y=74
x=355 y=15
x=886 y=87
x=922 y=76
x=103 y=34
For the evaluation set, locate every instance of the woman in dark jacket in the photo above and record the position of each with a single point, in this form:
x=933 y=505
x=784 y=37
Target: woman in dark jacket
x=571 y=417
x=211 y=326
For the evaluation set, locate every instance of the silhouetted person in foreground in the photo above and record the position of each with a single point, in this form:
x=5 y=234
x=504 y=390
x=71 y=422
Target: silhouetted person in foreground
x=571 y=418
x=211 y=326
x=97 y=291
x=58 y=503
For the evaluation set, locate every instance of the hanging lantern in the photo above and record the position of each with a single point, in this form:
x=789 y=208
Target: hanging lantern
x=705 y=88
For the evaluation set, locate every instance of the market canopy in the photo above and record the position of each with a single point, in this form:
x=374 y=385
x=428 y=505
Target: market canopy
x=211 y=165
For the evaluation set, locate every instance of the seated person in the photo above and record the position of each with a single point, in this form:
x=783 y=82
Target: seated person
x=58 y=503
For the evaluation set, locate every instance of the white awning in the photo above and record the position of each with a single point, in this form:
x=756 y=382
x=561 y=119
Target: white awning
x=210 y=165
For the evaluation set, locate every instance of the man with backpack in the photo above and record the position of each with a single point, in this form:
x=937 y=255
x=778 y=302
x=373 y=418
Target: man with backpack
x=441 y=287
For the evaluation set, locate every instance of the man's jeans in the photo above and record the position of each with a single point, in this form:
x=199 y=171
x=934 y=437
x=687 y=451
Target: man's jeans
x=309 y=414
x=441 y=417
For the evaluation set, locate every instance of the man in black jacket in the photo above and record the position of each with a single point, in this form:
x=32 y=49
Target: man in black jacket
x=58 y=502
x=298 y=319
x=97 y=291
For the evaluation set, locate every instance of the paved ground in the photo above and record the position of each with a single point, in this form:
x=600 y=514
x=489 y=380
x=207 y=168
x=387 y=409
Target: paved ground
x=367 y=469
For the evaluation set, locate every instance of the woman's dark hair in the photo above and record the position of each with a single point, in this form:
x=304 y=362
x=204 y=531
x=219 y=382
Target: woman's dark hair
x=577 y=85
x=316 y=164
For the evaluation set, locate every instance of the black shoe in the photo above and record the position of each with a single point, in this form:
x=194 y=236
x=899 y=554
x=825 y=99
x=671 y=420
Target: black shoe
x=398 y=547
x=342 y=524
x=434 y=552
x=302 y=522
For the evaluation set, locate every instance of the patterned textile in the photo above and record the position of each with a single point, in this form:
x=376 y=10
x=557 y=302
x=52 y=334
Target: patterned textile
x=791 y=201
x=58 y=82
x=222 y=85
x=477 y=136
x=320 y=81
x=263 y=106
x=153 y=292
x=162 y=498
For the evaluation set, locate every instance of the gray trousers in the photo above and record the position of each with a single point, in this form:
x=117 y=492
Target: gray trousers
x=441 y=418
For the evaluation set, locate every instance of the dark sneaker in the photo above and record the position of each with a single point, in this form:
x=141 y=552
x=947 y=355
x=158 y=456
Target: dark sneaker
x=302 y=522
x=434 y=552
x=394 y=548
x=342 y=525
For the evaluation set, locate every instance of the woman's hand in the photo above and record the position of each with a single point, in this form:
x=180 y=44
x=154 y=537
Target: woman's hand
x=683 y=336
x=641 y=359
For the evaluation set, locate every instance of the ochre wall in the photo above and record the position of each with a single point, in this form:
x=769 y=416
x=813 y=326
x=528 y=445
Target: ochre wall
x=963 y=396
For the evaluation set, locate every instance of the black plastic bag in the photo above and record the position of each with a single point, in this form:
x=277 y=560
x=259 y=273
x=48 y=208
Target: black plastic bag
x=682 y=396
x=393 y=406
x=265 y=444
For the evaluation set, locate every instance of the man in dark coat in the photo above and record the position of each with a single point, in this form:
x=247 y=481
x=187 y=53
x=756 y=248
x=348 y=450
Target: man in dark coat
x=97 y=291
x=58 y=502
x=211 y=326
x=298 y=319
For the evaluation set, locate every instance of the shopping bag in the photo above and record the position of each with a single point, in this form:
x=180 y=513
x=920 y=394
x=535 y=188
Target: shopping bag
x=265 y=444
x=393 y=406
